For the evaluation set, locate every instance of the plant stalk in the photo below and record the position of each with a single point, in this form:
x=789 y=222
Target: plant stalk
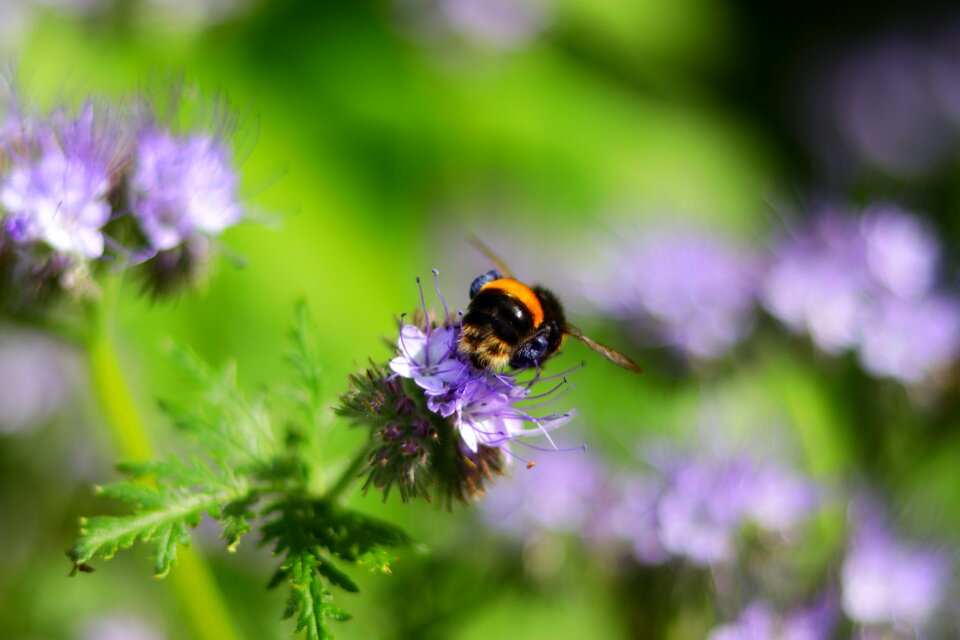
x=192 y=581
x=350 y=473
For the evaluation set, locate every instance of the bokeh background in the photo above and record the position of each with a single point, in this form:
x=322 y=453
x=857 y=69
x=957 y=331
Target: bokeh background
x=374 y=139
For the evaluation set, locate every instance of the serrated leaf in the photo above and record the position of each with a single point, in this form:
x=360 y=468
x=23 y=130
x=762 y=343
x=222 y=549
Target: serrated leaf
x=336 y=577
x=164 y=514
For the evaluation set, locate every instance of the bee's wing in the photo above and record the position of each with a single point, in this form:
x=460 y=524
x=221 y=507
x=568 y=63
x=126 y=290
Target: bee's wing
x=497 y=261
x=615 y=357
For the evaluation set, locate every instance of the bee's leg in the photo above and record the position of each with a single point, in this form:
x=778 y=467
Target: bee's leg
x=480 y=281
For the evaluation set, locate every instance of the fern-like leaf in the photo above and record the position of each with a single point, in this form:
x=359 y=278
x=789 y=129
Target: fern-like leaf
x=164 y=513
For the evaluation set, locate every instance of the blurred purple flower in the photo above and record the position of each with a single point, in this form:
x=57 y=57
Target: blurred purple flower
x=504 y=24
x=901 y=253
x=181 y=187
x=707 y=500
x=887 y=582
x=694 y=290
x=560 y=494
x=35 y=377
x=627 y=512
x=701 y=510
x=887 y=109
x=868 y=283
x=819 y=282
x=759 y=621
x=911 y=340
x=118 y=626
x=58 y=195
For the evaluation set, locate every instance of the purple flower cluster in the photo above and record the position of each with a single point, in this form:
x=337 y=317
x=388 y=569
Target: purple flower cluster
x=888 y=583
x=484 y=407
x=760 y=621
x=686 y=288
x=438 y=420
x=868 y=283
x=486 y=25
x=76 y=189
x=694 y=507
x=889 y=105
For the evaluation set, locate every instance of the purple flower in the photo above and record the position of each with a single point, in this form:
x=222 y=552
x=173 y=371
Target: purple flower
x=704 y=501
x=868 y=283
x=118 y=626
x=887 y=582
x=181 y=187
x=504 y=24
x=559 y=494
x=627 y=513
x=437 y=419
x=819 y=282
x=692 y=289
x=759 y=621
x=911 y=340
x=36 y=377
x=428 y=359
x=56 y=194
x=486 y=407
x=901 y=253
x=887 y=108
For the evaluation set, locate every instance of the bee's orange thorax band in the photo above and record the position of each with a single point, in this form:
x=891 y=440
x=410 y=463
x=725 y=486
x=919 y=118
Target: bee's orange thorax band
x=521 y=292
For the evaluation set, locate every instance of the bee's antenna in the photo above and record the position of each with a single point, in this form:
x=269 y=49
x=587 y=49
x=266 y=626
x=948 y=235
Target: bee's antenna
x=497 y=261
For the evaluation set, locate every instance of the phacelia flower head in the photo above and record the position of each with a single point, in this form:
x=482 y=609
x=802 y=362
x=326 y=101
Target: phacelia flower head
x=887 y=582
x=560 y=495
x=687 y=288
x=56 y=190
x=439 y=421
x=868 y=283
x=760 y=621
x=182 y=186
x=704 y=500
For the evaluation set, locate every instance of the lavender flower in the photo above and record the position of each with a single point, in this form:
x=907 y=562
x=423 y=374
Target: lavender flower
x=887 y=582
x=559 y=495
x=182 y=187
x=627 y=513
x=503 y=24
x=911 y=341
x=438 y=417
x=35 y=379
x=687 y=288
x=868 y=283
x=118 y=626
x=707 y=500
x=819 y=282
x=759 y=621
x=56 y=194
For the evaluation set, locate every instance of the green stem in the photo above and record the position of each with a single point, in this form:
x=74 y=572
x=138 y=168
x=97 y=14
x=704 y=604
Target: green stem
x=350 y=473
x=192 y=581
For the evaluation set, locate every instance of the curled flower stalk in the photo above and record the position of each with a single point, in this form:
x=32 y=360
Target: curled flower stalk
x=440 y=424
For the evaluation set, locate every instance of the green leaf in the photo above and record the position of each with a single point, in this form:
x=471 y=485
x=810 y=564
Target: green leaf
x=336 y=577
x=306 y=530
x=164 y=514
x=304 y=359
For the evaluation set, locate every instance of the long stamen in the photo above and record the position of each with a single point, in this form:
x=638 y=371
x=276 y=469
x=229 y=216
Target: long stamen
x=582 y=447
x=443 y=301
x=426 y=322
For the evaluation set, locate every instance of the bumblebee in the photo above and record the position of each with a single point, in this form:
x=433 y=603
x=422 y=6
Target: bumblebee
x=510 y=323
